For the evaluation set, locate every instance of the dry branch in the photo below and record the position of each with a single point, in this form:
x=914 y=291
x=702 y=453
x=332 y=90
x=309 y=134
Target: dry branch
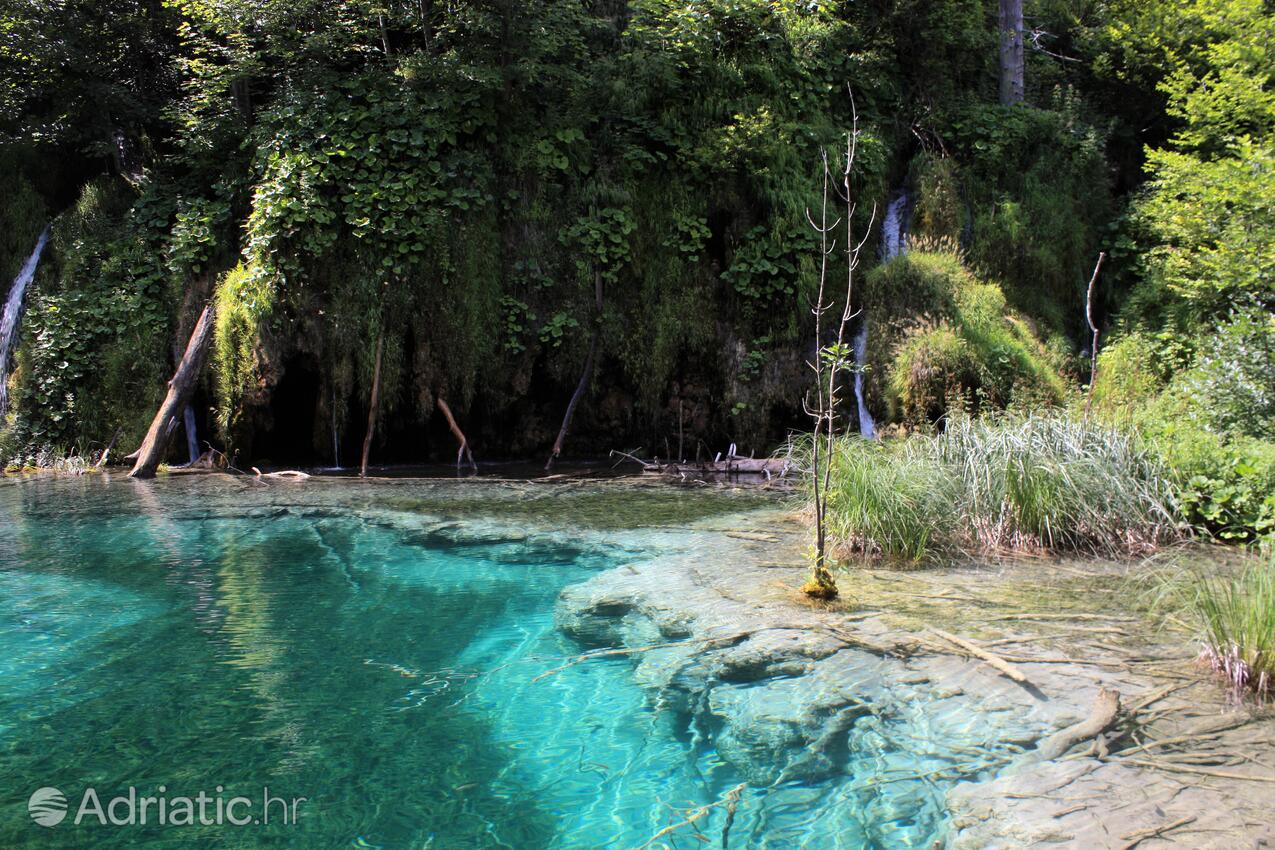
x=463 y=453
x=983 y=655
x=730 y=800
x=1136 y=838
x=1198 y=771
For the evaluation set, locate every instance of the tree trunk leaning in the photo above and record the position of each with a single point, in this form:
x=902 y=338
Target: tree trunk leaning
x=585 y=376
x=1012 y=86
x=371 y=412
x=463 y=453
x=180 y=389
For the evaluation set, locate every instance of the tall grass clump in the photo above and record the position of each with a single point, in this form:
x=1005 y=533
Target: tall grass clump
x=1238 y=618
x=886 y=502
x=1026 y=482
x=1054 y=481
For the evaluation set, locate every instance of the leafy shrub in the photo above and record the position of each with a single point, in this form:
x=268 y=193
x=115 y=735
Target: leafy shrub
x=243 y=299
x=95 y=329
x=1226 y=485
x=1128 y=376
x=1233 y=379
x=934 y=367
x=938 y=334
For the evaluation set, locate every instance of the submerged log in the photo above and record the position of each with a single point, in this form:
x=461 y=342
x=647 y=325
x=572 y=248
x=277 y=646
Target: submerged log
x=180 y=389
x=371 y=411
x=463 y=453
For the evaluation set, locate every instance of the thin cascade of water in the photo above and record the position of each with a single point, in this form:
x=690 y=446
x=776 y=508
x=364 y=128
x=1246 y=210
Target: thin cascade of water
x=893 y=242
x=13 y=312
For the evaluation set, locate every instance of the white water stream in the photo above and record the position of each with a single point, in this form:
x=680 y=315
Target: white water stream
x=13 y=313
x=894 y=234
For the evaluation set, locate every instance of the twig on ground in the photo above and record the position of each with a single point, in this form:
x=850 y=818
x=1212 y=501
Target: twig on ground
x=1136 y=838
x=1198 y=771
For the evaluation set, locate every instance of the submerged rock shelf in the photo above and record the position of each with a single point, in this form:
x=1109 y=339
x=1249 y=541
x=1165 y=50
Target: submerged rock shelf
x=921 y=746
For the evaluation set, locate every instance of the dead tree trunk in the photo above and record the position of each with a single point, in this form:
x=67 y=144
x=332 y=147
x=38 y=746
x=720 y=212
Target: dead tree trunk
x=463 y=453
x=585 y=376
x=1011 y=52
x=371 y=411
x=1093 y=326
x=180 y=389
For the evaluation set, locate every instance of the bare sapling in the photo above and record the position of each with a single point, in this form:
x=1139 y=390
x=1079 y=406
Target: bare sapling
x=832 y=360
x=1093 y=326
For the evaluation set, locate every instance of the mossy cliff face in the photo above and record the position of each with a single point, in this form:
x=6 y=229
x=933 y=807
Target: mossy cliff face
x=459 y=182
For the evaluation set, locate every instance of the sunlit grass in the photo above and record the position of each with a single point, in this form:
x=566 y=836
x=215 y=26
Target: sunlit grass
x=1037 y=482
x=1237 y=614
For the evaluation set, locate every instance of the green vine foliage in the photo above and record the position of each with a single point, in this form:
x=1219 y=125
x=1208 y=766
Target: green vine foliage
x=449 y=179
x=96 y=329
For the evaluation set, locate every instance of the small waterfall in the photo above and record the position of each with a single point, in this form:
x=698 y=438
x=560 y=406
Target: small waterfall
x=13 y=312
x=867 y=427
x=894 y=234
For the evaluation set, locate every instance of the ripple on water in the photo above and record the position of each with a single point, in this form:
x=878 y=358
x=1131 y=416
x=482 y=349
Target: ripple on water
x=381 y=662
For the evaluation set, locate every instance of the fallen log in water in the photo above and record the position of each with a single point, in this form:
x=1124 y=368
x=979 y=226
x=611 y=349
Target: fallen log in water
x=767 y=466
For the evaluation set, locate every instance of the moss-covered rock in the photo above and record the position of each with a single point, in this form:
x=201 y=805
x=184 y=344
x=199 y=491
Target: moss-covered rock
x=940 y=337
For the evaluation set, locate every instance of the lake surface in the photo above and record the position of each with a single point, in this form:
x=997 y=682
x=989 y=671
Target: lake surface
x=371 y=647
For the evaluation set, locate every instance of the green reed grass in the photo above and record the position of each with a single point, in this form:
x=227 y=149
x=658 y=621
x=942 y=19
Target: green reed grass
x=1238 y=618
x=1039 y=481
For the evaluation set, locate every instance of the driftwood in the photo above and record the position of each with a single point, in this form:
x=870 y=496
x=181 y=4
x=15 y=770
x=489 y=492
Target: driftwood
x=463 y=453
x=983 y=655
x=729 y=801
x=1136 y=838
x=730 y=465
x=371 y=409
x=773 y=467
x=1196 y=771
x=180 y=389
x=1105 y=711
x=283 y=474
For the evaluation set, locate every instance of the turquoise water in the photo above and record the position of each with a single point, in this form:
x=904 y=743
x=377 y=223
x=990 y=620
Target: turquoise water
x=369 y=647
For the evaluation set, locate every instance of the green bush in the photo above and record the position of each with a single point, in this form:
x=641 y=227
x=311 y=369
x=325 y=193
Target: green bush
x=95 y=349
x=1225 y=484
x=934 y=369
x=1128 y=376
x=1233 y=379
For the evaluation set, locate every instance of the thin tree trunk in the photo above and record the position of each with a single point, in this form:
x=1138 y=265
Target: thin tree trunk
x=1093 y=326
x=463 y=452
x=1011 y=52
x=371 y=412
x=336 y=444
x=180 y=389
x=585 y=376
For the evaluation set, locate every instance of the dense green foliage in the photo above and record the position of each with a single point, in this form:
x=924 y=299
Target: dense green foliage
x=944 y=341
x=460 y=180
